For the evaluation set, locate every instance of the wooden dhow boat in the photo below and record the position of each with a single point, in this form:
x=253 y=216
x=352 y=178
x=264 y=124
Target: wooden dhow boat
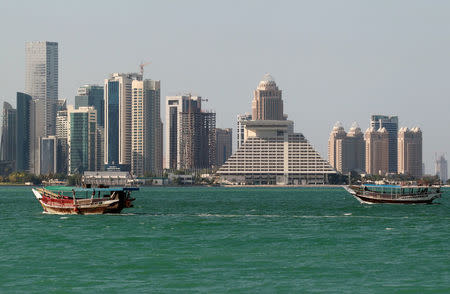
x=370 y=194
x=75 y=200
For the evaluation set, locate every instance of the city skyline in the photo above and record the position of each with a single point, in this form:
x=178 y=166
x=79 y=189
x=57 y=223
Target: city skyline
x=347 y=71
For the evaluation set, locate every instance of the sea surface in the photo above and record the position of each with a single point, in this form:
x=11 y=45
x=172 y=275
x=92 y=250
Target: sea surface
x=227 y=240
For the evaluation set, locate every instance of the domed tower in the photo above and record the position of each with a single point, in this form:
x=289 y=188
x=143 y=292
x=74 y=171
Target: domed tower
x=267 y=103
x=337 y=136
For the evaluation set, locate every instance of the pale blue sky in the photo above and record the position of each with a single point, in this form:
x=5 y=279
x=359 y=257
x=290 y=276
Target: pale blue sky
x=334 y=60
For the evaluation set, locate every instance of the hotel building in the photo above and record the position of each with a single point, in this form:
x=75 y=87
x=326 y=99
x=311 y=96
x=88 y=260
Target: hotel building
x=272 y=153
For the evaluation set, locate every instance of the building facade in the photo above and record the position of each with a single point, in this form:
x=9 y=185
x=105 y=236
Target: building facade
x=442 y=169
x=346 y=151
x=82 y=139
x=118 y=118
x=49 y=149
x=271 y=152
x=92 y=95
x=190 y=134
x=146 y=141
x=41 y=79
x=390 y=123
x=267 y=103
x=23 y=132
x=224 y=143
x=62 y=128
x=377 y=151
x=410 y=152
x=8 y=141
x=241 y=118
x=37 y=127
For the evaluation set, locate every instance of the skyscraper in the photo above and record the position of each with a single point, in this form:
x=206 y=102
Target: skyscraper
x=377 y=151
x=48 y=147
x=334 y=154
x=62 y=128
x=23 y=131
x=37 y=128
x=224 y=142
x=271 y=152
x=390 y=123
x=82 y=139
x=8 y=141
x=410 y=152
x=346 y=151
x=267 y=103
x=118 y=117
x=92 y=95
x=442 y=169
x=190 y=134
x=146 y=126
x=41 y=79
x=241 y=119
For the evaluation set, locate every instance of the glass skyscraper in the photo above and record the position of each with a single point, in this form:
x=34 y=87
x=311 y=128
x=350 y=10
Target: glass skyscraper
x=92 y=95
x=82 y=139
x=23 y=131
x=41 y=78
x=8 y=144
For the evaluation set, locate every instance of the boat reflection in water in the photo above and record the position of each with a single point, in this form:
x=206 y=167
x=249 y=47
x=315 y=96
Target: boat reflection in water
x=75 y=200
x=370 y=194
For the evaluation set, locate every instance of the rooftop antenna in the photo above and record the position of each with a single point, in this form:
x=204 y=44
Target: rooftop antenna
x=141 y=67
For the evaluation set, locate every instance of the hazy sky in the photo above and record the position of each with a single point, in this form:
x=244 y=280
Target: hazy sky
x=334 y=60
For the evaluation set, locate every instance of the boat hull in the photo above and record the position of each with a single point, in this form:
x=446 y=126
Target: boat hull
x=66 y=205
x=389 y=199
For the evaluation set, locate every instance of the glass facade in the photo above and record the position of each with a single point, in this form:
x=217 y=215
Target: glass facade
x=41 y=78
x=23 y=132
x=113 y=122
x=92 y=95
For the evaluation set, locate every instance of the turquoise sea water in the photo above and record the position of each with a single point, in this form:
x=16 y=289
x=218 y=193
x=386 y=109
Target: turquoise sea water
x=227 y=240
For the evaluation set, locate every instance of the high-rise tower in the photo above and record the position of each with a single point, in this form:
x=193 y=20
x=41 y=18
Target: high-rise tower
x=146 y=143
x=190 y=134
x=8 y=144
x=241 y=119
x=92 y=95
x=267 y=103
x=346 y=151
x=41 y=79
x=82 y=139
x=410 y=152
x=442 y=169
x=377 y=147
x=23 y=132
x=390 y=123
x=118 y=112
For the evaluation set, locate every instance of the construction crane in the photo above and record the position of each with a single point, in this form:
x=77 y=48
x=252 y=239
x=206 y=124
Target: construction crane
x=142 y=65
